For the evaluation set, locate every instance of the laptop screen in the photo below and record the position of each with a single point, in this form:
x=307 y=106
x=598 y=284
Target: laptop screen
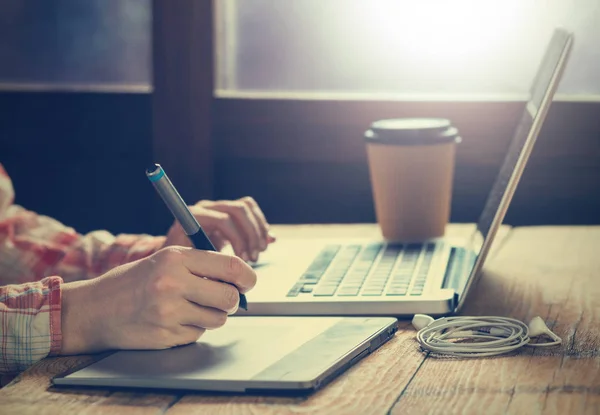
x=544 y=85
x=540 y=85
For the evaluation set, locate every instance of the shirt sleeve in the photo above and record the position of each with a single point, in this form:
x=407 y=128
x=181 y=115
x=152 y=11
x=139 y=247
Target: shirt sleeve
x=30 y=323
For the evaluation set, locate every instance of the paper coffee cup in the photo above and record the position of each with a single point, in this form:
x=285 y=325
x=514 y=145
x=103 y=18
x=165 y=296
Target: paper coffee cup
x=411 y=166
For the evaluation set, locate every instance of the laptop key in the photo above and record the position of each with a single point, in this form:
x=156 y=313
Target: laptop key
x=352 y=284
x=348 y=292
x=327 y=284
x=372 y=293
x=356 y=276
x=310 y=276
x=373 y=288
x=324 y=291
x=307 y=288
x=371 y=284
x=295 y=290
x=400 y=281
x=402 y=285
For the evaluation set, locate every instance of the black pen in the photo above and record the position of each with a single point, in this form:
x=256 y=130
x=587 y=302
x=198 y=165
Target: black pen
x=182 y=213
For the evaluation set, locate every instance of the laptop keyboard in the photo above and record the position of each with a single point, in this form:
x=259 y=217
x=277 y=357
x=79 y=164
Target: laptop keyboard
x=367 y=270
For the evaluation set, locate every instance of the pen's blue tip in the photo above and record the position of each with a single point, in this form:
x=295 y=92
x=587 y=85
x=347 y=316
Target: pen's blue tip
x=155 y=173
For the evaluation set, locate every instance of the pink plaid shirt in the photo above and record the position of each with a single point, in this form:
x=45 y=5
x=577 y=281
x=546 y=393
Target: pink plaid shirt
x=38 y=254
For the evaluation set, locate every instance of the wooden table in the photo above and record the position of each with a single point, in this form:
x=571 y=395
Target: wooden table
x=553 y=272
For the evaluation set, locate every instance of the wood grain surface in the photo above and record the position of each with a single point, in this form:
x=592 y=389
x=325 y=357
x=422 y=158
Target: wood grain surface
x=553 y=272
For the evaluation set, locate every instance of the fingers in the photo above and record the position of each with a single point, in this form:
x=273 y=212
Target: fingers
x=218 y=266
x=202 y=317
x=222 y=222
x=261 y=221
x=214 y=294
x=247 y=222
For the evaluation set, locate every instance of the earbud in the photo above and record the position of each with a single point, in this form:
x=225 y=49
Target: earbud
x=537 y=328
x=420 y=321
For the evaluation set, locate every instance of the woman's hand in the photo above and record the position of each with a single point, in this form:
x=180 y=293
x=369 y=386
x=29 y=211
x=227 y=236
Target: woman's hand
x=167 y=299
x=240 y=223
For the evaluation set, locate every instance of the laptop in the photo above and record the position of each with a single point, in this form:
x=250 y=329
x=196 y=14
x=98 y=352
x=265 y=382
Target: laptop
x=372 y=277
x=248 y=354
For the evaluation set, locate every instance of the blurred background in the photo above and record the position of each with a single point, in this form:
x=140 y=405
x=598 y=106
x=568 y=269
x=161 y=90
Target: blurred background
x=270 y=98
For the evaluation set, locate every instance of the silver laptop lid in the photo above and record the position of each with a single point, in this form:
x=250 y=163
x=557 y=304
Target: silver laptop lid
x=541 y=93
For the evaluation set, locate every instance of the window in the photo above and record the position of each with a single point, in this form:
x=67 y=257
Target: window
x=422 y=48
x=73 y=44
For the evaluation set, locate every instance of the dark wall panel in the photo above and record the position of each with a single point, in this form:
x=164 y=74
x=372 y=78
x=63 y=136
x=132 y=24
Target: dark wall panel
x=81 y=157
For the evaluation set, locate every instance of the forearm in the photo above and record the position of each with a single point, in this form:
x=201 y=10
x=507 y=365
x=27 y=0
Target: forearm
x=34 y=246
x=97 y=252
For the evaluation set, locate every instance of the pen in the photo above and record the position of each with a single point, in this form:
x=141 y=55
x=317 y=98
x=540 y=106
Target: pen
x=182 y=213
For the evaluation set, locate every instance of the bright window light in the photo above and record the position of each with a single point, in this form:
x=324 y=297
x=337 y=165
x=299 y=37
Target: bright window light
x=413 y=47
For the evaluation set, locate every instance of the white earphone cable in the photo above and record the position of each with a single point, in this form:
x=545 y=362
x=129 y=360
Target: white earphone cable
x=479 y=336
